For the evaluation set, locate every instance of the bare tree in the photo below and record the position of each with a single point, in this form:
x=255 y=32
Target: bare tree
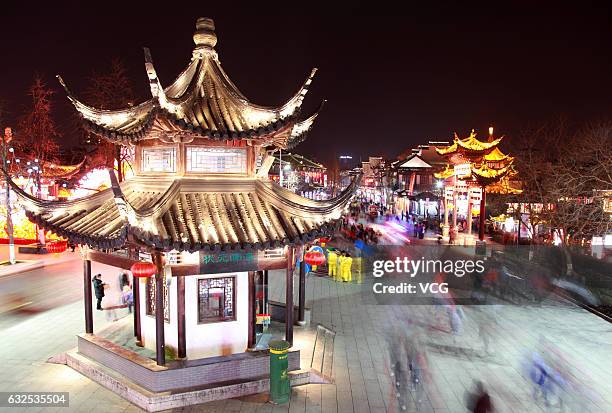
x=110 y=90
x=37 y=133
x=582 y=176
x=564 y=178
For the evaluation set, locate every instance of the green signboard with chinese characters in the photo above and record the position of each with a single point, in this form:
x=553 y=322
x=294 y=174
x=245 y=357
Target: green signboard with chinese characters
x=221 y=262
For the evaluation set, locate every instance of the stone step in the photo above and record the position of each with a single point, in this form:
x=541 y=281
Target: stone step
x=158 y=401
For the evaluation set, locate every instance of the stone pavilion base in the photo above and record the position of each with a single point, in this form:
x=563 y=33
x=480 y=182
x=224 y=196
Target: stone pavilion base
x=180 y=383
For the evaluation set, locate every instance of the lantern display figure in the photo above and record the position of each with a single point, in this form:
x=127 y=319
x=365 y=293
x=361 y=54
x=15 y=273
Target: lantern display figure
x=143 y=269
x=56 y=247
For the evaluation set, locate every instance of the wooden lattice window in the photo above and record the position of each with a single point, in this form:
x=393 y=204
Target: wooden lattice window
x=151 y=299
x=159 y=160
x=216 y=160
x=216 y=299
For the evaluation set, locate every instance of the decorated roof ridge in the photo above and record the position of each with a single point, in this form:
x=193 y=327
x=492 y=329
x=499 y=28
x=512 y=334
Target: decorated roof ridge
x=483 y=171
x=42 y=204
x=445 y=173
x=35 y=208
x=503 y=187
x=56 y=170
x=497 y=155
x=104 y=116
x=301 y=160
x=300 y=130
x=291 y=202
x=471 y=143
x=202 y=99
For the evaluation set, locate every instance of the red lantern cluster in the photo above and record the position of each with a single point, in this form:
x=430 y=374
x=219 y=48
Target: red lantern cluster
x=55 y=247
x=314 y=258
x=143 y=269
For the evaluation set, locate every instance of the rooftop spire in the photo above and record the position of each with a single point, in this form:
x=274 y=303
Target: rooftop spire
x=204 y=36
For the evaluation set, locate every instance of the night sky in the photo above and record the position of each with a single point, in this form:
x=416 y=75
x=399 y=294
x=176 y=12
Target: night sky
x=393 y=79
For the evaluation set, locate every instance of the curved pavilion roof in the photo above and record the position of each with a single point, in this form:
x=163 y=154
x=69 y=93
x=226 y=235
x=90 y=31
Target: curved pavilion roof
x=497 y=156
x=469 y=144
x=201 y=100
x=184 y=214
x=55 y=170
x=447 y=172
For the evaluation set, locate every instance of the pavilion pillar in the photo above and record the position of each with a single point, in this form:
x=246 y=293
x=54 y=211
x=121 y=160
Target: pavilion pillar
x=481 y=227
x=445 y=226
x=265 y=292
x=289 y=297
x=134 y=254
x=180 y=311
x=251 y=319
x=469 y=219
x=160 y=345
x=455 y=208
x=302 y=290
x=88 y=296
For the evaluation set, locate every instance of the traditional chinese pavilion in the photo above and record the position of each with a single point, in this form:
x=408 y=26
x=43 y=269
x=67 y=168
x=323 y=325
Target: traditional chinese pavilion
x=474 y=166
x=202 y=205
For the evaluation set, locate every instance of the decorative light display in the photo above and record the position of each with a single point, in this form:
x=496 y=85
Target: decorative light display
x=56 y=247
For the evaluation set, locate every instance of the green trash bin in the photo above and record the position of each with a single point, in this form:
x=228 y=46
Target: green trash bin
x=280 y=387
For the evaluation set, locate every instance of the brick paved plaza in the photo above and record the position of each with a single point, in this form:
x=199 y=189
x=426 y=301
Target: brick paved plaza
x=361 y=375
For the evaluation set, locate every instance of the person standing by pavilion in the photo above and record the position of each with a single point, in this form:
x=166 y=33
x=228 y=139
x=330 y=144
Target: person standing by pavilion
x=98 y=285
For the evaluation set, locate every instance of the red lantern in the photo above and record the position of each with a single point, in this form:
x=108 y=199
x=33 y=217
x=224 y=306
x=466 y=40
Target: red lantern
x=56 y=247
x=324 y=240
x=314 y=258
x=143 y=269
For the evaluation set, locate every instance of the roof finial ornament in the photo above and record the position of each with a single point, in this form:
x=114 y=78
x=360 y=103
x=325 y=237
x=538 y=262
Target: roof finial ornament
x=204 y=36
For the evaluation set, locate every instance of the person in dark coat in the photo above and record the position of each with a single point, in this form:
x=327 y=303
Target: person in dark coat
x=98 y=285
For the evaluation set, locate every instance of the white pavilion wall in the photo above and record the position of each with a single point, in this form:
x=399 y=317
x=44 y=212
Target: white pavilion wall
x=216 y=339
x=202 y=340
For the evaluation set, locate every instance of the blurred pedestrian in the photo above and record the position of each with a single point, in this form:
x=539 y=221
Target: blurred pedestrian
x=480 y=401
x=451 y=236
x=455 y=317
x=127 y=297
x=123 y=280
x=99 y=289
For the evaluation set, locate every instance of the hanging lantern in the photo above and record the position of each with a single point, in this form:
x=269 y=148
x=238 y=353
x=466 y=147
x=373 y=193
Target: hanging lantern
x=143 y=269
x=56 y=247
x=314 y=258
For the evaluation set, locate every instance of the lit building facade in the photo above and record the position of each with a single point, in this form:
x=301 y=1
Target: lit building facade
x=473 y=167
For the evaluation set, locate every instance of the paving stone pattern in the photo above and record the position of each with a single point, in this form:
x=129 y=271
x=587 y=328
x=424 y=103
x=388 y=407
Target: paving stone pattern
x=361 y=372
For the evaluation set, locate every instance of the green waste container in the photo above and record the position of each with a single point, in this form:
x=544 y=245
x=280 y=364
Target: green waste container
x=280 y=387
